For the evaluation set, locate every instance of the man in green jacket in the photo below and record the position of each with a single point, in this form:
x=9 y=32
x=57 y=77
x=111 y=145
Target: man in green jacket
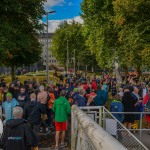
x=61 y=109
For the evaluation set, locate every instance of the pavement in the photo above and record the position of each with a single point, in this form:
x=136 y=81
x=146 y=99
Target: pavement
x=145 y=139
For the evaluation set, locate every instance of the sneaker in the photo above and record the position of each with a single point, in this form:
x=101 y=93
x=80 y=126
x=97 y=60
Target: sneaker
x=63 y=145
x=56 y=148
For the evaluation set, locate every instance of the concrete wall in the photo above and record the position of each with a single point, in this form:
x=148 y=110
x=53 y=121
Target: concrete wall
x=87 y=134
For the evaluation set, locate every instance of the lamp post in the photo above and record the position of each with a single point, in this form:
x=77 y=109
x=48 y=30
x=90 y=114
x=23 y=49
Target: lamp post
x=47 y=50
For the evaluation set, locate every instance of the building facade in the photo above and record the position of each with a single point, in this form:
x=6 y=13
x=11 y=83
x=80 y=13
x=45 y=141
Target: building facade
x=43 y=40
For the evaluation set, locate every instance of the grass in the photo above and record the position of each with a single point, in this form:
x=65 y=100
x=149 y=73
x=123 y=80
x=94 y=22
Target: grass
x=38 y=79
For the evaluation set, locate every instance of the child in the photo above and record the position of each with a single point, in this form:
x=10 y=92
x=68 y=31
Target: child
x=117 y=106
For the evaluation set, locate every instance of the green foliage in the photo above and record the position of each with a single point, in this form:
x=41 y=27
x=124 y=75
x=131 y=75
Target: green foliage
x=99 y=30
x=71 y=32
x=118 y=29
x=132 y=20
x=18 y=31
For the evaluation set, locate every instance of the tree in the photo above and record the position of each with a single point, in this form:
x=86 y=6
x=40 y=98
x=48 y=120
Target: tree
x=19 y=32
x=99 y=30
x=71 y=34
x=132 y=20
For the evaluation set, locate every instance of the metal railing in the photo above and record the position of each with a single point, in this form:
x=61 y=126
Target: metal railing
x=86 y=134
x=110 y=124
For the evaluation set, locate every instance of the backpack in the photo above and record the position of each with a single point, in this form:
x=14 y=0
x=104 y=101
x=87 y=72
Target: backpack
x=50 y=102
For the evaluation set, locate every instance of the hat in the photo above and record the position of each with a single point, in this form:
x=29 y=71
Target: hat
x=8 y=95
x=75 y=90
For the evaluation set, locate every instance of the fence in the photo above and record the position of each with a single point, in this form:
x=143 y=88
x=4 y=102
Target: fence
x=110 y=124
x=86 y=134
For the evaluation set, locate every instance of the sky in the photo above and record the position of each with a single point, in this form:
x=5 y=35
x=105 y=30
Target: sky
x=65 y=10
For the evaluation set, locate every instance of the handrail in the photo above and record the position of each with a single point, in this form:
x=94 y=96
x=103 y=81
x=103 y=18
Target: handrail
x=99 y=138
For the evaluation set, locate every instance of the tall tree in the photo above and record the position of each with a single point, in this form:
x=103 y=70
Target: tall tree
x=132 y=20
x=99 y=30
x=18 y=32
x=70 y=34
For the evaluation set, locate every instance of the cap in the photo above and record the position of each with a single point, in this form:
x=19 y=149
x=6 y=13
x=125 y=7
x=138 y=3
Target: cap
x=8 y=95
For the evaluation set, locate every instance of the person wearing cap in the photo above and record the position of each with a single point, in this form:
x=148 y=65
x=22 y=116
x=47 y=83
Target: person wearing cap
x=61 y=108
x=8 y=106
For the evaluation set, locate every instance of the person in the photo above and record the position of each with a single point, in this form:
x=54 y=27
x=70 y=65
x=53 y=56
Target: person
x=49 y=107
x=117 y=106
x=61 y=108
x=8 y=106
x=23 y=97
x=1 y=95
x=79 y=98
x=120 y=92
x=68 y=90
x=128 y=103
x=42 y=95
x=138 y=105
x=101 y=97
x=146 y=100
x=33 y=111
x=17 y=133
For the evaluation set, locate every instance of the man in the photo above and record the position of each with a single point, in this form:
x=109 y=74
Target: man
x=42 y=96
x=17 y=133
x=68 y=90
x=8 y=106
x=61 y=109
x=79 y=98
x=33 y=111
x=138 y=103
x=23 y=97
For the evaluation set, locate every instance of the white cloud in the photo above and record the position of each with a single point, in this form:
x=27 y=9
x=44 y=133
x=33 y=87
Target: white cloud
x=53 y=24
x=70 y=4
x=51 y=3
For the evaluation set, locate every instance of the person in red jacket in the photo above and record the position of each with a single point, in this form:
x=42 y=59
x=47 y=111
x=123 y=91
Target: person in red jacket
x=94 y=85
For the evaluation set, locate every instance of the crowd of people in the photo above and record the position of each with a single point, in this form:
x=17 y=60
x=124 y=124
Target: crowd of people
x=30 y=107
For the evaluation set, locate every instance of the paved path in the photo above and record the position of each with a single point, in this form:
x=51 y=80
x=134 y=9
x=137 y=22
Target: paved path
x=145 y=138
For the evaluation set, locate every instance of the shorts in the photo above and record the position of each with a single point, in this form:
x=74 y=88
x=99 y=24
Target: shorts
x=61 y=126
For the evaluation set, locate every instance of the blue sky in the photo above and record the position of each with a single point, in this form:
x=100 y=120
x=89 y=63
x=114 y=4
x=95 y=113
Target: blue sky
x=65 y=9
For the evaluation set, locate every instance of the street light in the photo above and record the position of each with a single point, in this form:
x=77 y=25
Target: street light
x=47 y=50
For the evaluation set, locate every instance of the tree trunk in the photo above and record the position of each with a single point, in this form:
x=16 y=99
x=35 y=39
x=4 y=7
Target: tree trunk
x=56 y=73
x=139 y=72
x=12 y=73
x=125 y=68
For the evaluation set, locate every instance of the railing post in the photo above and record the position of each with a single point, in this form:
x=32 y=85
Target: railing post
x=104 y=118
x=0 y=112
x=100 y=116
x=140 y=126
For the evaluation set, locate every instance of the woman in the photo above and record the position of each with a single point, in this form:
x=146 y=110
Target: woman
x=145 y=100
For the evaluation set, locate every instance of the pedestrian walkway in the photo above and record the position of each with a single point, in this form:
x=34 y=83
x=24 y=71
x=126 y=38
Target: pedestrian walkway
x=145 y=138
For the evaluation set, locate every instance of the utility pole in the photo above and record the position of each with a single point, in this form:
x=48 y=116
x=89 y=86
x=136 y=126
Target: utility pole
x=67 y=58
x=74 y=61
x=47 y=50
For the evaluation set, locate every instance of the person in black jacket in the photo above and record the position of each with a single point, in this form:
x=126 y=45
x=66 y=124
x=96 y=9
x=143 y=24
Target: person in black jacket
x=33 y=111
x=17 y=133
x=23 y=97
